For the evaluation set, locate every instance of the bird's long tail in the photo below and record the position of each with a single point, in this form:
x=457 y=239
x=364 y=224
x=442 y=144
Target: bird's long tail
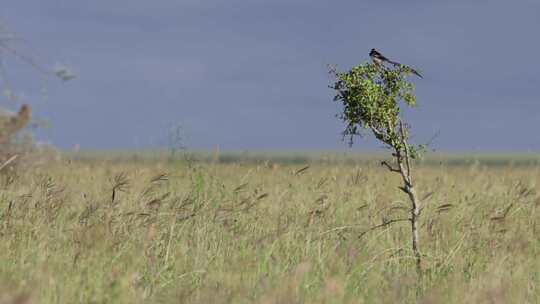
x=415 y=72
x=408 y=68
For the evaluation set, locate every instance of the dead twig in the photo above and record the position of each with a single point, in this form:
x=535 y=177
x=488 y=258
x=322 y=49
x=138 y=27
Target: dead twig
x=384 y=224
x=9 y=161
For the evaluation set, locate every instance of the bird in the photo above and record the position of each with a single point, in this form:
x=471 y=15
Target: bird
x=379 y=59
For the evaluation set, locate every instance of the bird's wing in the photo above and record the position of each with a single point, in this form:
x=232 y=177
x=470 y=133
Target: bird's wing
x=383 y=58
x=395 y=63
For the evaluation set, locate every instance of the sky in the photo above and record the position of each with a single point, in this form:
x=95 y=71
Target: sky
x=252 y=74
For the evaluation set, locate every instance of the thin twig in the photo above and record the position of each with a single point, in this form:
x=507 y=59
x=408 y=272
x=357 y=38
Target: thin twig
x=386 y=223
x=29 y=60
x=387 y=165
x=7 y=162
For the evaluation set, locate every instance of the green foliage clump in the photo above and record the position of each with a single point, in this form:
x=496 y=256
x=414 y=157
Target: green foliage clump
x=371 y=96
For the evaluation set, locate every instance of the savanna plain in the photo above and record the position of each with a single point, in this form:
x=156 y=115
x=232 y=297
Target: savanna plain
x=220 y=229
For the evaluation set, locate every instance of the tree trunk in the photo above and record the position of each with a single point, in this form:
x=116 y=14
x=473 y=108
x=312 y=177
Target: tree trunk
x=404 y=169
x=415 y=215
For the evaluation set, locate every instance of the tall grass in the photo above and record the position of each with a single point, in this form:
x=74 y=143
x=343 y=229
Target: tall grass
x=91 y=231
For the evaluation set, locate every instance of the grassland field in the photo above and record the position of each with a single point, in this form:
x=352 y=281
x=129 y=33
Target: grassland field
x=267 y=228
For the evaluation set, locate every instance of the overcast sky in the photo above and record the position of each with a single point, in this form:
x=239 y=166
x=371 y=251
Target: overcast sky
x=252 y=74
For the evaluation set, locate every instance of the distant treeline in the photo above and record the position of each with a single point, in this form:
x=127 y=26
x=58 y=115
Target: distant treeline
x=298 y=157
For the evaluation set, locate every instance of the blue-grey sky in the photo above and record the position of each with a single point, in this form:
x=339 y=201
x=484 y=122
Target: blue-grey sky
x=252 y=74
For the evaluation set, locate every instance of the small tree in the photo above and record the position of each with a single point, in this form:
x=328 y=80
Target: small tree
x=14 y=47
x=371 y=95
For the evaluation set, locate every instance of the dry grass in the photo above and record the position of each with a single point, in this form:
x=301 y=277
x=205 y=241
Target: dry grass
x=98 y=232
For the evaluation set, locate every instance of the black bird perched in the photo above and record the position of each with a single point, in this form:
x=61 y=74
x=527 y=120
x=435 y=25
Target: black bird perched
x=378 y=58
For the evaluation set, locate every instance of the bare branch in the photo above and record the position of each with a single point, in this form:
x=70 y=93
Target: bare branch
x=7 y=162
x=407 y=153
x=378 y=133
x=387 y=165
x=384 y=224
x=27 y=59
